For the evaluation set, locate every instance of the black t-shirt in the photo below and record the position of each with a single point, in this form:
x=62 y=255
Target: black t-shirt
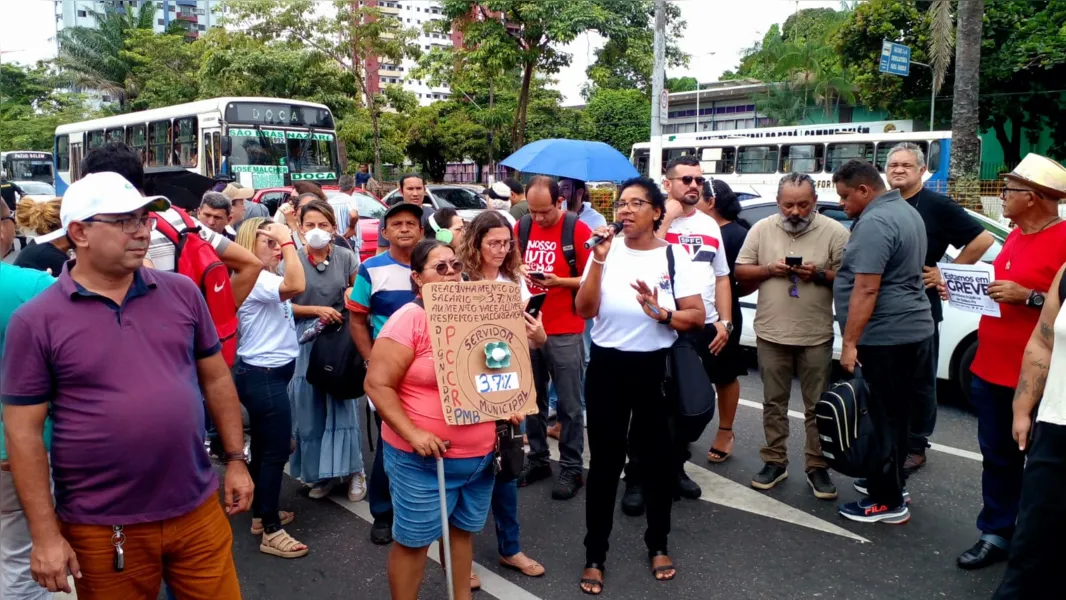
x=42 y=257
x=946 y=224
x=8 y=189
x=733 y=235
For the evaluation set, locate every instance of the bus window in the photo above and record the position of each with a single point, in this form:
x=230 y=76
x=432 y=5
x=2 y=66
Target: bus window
x=137 y=139
x=115 y=134
x=640 y=161
x=838 y=154
x=757 y=159
x=75 y=162
x=718 y=161
x=185 y=153
x=672 y=153
x=159 y=144
x=95 y=139
x=932 y=161
x=63 y=153
x=802 y=158
x=883 y=149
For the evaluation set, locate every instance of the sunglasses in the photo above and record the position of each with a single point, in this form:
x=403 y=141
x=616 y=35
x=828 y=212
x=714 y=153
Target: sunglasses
x=689 y=180
x=448 y=266
x=1003 y=192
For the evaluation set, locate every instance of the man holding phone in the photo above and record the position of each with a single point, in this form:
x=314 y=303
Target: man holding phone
x=792 y=259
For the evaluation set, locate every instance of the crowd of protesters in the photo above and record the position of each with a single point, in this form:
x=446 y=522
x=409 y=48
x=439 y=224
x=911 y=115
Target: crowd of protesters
x=97 y=313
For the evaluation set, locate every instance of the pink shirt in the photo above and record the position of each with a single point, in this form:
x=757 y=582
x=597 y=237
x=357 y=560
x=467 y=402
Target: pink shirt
x=420 y=396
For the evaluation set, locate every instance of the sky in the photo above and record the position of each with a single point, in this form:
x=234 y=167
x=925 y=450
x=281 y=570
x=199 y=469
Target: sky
x=717 y=32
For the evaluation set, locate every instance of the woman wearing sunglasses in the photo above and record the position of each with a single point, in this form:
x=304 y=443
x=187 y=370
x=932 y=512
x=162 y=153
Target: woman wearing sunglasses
x=402 y=381
x=638 y=307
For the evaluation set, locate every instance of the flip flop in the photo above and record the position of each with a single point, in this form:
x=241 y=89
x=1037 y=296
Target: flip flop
x=533 y=569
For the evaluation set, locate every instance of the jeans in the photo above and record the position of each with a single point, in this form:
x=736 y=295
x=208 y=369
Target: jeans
x=15 y=547
x=560 y=359
x=505 y=513
x=1036 y=551
x=264 y=392
x=377 y=493
x=1001 y=477
x=923 y=409
x=553 y=396
x=894 y=374
x=777 y=363
x=624 y=386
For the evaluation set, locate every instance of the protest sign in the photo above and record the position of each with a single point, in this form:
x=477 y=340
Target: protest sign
x=481 y=351
x=968 y=287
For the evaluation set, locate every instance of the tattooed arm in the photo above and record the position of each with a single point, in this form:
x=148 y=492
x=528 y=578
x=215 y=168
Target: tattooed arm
x=1035 y=366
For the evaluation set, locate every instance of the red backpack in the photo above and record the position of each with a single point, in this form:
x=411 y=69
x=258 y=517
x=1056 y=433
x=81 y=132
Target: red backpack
x=197 y=260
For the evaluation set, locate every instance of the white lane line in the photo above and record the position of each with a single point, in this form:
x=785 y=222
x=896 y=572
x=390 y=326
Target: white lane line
x=938 y=447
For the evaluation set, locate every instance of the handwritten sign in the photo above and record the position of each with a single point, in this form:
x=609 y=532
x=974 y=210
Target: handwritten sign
x=465 y=317
x=968 y=287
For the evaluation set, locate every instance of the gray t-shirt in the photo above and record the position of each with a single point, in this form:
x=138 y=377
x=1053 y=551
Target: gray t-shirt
x=327 y=288
x=888 y=240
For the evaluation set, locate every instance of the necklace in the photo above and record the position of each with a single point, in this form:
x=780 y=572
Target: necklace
x=1014 y=251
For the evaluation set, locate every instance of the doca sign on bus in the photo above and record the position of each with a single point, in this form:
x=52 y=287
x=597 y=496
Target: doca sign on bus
x=479 y=341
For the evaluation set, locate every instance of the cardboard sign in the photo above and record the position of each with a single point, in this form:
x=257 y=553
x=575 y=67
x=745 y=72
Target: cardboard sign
x=479 y=340
x=968 y=287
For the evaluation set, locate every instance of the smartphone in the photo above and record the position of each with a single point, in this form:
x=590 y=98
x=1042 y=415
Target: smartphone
x=793 y=261
x=535 y=304
x=537 y=275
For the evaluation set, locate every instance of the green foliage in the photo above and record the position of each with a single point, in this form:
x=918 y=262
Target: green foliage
x=627 y=58
x=618 y=117
x=31 y=107
x=162 y=69
x=441 y=133
x=682 y=84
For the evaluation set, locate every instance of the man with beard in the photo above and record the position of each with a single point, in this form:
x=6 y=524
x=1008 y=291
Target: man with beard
x=793 y=257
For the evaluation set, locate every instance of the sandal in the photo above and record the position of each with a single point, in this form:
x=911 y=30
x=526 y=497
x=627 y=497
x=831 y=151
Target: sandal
x=286 y=518
x=283 y=545
x=596 y=591
x=532 y=568
x=656 y=571
x=718 y=456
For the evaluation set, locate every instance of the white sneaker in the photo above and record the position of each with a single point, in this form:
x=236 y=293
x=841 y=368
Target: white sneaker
x=357 y=487
x=321 y=489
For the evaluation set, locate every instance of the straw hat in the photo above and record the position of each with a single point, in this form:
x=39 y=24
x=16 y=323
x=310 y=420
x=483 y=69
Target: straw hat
x=1043 y=174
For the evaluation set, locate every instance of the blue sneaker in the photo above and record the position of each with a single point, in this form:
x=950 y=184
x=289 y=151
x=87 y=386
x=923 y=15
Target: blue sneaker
x=860 y=486
x=868 y=511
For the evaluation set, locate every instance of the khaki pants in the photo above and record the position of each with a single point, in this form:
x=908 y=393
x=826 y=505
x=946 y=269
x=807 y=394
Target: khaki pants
x=777 y=364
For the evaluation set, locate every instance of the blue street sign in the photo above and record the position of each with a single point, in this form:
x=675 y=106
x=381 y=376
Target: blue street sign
x=895 y=59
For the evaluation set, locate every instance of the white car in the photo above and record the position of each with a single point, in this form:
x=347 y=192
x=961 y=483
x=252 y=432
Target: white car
x=36 y=188
x=958 y=331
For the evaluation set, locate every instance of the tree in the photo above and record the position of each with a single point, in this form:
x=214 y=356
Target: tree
x=443 y=132
x=32 y=106
x=353 y=34
x=162 y=69
x=682 y=84
x=618 y=117
x=626 y=59
x=965 y=110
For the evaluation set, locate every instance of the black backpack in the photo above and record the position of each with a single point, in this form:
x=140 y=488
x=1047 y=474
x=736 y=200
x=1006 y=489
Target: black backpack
x=525 y=225
x=852 y=442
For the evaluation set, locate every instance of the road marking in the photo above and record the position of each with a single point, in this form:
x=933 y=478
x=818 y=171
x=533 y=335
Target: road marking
x=933 y=446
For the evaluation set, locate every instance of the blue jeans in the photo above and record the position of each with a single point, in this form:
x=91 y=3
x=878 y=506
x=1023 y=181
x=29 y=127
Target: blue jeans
x=1004 y=464
x=505 y=513
x=264 y=392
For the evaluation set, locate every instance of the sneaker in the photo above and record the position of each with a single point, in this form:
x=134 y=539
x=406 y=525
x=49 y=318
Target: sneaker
x=532 y=473
x=357 y=487
x=381 y=531
x=860 y=486
x=868 y=511
x=686 y=488
x=633 y=499
x=820 y=483
x=568 y=484
x=770 y=476
x=321 y=489
x=914 y=462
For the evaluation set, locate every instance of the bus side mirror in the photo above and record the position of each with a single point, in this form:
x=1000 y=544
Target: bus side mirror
x=227 y=145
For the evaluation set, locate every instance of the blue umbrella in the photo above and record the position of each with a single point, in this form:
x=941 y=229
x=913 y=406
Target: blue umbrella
x=575 y=159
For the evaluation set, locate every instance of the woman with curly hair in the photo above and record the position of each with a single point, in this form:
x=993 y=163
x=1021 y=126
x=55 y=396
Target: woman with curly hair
x=37 y=218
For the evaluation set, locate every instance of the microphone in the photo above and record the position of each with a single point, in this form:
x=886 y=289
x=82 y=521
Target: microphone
x=616 y=227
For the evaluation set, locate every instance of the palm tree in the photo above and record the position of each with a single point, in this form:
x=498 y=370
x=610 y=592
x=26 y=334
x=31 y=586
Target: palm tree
x=965 y=167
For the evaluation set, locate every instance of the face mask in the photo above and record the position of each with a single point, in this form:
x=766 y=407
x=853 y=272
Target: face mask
x=317 y=239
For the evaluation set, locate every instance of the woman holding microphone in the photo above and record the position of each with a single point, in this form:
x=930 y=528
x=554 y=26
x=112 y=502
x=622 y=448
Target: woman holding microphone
x=638 y=307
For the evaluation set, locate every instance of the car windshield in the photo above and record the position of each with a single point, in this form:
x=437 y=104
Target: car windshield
x=459 y=198
x=368 y=207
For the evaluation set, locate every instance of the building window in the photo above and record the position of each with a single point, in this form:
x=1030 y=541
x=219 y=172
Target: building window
x=202 y=27
x=82 y=13
x=159 y=21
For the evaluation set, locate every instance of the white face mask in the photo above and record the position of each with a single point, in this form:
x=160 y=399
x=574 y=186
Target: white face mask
x=317 y=239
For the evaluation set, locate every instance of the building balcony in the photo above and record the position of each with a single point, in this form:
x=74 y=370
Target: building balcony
x=186 y=2
x=188 y=18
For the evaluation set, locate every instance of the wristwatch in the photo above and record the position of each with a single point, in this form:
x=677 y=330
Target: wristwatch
x=728 y=326
x=669 y=316
x=819 y=277
x=1035 y=300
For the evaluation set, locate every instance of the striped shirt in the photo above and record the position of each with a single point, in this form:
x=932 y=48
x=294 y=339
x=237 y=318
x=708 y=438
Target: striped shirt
x=381 y=287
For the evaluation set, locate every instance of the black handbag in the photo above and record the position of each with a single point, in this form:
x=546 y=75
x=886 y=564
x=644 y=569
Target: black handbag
x=687 y=384
x=335 y=364
x=510 y=452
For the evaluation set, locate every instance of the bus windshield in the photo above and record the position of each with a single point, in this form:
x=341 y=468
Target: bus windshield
x=24 y=167
x=276 y=157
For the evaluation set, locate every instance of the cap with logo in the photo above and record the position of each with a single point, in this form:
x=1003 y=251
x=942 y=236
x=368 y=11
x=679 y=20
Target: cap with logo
x=101 y=194
x=1043 y=174
x=500 y=191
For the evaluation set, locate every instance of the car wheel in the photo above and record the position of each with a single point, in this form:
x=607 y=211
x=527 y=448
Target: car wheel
x=963 y=375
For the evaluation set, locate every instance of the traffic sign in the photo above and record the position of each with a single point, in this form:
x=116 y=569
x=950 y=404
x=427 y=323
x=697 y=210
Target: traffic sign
x=895 y=59
x=664 y=100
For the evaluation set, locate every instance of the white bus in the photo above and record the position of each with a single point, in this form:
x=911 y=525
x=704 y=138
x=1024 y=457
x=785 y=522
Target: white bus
x=259 y=142
x=27 y=165
x=756 y=159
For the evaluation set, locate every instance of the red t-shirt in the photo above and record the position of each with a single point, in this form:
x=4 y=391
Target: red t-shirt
x=544 y=253
x=1034 y=259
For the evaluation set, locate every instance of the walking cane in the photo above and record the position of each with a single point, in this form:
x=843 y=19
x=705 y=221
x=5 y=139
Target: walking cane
x=444 y=526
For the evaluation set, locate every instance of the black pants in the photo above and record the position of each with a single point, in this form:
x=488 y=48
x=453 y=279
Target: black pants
x=378 y=495
x=923 y=410
x=620 y=385
x=894 y=374
x=264 y=393
x=1037 y=552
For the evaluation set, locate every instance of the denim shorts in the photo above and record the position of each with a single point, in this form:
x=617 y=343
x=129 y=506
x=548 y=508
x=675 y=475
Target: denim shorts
x=416 y=519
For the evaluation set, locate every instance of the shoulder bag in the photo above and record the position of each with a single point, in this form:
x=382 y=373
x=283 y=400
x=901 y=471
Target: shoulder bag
x=686 y=379
x=335 y=364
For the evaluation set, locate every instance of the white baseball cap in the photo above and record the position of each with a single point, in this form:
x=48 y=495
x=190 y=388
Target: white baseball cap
x=101 y=194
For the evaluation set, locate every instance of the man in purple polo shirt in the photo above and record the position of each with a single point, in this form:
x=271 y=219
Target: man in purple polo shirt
x=119 y=354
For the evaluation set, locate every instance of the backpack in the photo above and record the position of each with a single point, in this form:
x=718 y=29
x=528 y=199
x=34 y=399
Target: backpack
x=197 y=260
x=525 y=226
x=852 y=442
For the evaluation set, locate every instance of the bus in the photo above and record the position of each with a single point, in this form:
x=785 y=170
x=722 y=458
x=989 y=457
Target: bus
x=258 y=142
x=27 y=165
x=756 y=159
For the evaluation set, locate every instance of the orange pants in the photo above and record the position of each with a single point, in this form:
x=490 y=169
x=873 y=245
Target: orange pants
x=193 y=553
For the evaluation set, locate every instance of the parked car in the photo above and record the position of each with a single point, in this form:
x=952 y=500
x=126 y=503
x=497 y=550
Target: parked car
x=370 y=212
x=467 y=202
x=958 y=332
x=36 y=188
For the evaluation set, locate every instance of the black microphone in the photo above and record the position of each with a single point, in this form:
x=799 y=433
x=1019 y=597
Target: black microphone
x=616 y=227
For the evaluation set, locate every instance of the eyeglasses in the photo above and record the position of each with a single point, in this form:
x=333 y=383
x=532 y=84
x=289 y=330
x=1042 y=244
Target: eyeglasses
x=1003 y=192
x=631 y=204
x=497 y=245
x=689 y=179
x=128 y=224
x=448 y=266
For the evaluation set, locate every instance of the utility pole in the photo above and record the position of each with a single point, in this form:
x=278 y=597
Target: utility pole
x=658 y=78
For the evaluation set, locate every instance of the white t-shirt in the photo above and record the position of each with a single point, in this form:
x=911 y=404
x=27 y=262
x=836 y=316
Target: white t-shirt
x=701 y=238
x=1053 y=406
x=267 y=328
x=161 y=251
x=521 y=284
x=621 y=322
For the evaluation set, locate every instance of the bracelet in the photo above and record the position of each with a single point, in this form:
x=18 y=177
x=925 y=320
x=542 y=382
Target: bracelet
x=233 y=457
x=288 y=243
x=599 y=262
